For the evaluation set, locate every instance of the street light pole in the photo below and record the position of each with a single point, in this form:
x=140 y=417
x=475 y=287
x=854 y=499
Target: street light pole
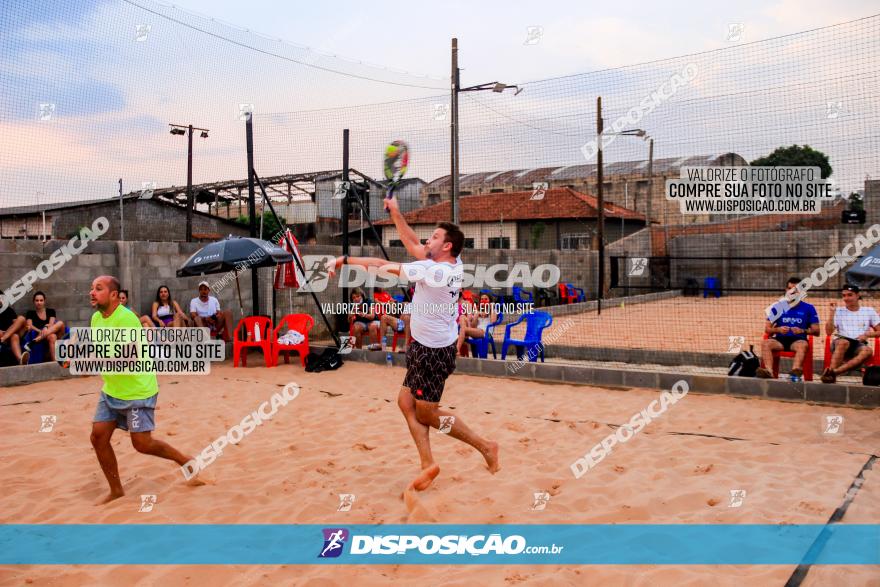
x=189 y=187
x=600 y=216
x=650 y=182
x=179 y=129
x=496 y=87
x=453 y=127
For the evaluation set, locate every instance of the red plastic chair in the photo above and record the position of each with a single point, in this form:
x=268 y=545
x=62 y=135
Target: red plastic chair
x=808 y=359
x=258 y=334
x=394 y=340
x=564 y=296
x=301 y=323
x=872 y=360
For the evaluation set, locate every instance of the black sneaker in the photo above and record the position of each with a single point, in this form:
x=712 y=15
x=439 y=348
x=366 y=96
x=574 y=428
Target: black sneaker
x=763 y=373
x=829 y=376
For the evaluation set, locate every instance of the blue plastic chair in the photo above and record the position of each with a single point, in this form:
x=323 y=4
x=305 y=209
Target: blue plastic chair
x=498 y=297
x=480 y=346
x=519 y=296
x=710 y=285
x=40 y=351
x=398 y=298
x=580 y=292
x=536 y=322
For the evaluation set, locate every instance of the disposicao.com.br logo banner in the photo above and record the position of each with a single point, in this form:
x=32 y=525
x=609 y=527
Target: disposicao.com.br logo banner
x=550 y=544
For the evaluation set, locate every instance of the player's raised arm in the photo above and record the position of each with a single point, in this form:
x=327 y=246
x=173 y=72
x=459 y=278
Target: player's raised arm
x=407 y=234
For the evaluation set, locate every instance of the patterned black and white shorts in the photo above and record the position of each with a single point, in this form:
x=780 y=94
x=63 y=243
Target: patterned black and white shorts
x=427 y=369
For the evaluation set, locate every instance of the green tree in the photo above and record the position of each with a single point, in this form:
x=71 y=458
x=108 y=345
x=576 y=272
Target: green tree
x=537 y=232
x=794 y=156
x=855 y=202
x=270 y=227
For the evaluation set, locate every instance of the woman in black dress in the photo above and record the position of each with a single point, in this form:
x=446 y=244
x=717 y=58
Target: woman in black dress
x=44 y=323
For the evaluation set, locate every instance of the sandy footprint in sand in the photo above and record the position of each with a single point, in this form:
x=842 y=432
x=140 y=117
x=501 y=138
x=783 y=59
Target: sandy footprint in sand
x=416 y=512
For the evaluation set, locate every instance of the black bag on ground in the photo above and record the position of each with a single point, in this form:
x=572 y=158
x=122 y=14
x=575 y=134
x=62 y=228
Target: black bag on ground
x=328 y=360
x=871 y=376
x=744 y=364
x=691 y=287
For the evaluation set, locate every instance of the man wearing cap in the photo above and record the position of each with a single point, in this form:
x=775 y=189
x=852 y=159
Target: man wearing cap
x=851 y=327
x=206 y=313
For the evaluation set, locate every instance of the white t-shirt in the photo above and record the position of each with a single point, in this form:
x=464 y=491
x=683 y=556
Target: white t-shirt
x=854 y=324
x=435 y=301
x=204 y=309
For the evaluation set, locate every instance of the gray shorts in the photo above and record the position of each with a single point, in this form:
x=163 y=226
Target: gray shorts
x=855 y=347
x=133 y=415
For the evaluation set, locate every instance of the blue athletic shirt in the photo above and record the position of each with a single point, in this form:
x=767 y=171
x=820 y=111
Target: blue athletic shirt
x=801 y=316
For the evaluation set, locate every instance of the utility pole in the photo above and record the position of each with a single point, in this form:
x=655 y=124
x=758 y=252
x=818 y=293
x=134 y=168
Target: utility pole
x=650 y=182
x=252 y=207
x=496 y=87
x=342 y=319
x=179 y=129
x=600 y=218
x=453 y=127
x=121 y=217
x=189 y=187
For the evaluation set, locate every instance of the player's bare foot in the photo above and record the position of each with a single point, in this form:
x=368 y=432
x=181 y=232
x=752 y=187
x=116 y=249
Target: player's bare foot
x=426 y=477
x=197 y=481
x=492 y=461
x=108 y=498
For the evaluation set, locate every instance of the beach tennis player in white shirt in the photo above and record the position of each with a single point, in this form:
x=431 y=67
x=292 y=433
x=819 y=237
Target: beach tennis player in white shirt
x=430 y=359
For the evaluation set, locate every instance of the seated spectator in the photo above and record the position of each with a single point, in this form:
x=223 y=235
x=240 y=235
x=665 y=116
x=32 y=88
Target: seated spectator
x=123 y=299
x=44 y=323
x=398 y=323
x=12 y=328
x=789 y=333
x=362 y=320
x=166 y=312
x=206 y=313
x=851 y=326
x=475 y=319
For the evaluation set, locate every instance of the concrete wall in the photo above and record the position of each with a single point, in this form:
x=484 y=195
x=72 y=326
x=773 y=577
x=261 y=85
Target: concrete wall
x=141 y=267
x=769 y=274
x=144 y=220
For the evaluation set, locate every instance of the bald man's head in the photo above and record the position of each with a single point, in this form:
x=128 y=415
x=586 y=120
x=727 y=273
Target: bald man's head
x=104 y=295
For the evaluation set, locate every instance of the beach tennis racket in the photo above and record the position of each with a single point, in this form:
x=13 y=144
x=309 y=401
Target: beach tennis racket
x=396 y=162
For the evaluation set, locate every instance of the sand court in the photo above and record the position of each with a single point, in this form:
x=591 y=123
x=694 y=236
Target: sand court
x=678 y=324
x=344 y=434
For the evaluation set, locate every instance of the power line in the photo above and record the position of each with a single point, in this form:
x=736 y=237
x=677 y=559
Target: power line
x=276 y=55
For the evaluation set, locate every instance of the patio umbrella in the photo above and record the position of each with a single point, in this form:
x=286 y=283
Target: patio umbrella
x=234 y=254
x=865 y=272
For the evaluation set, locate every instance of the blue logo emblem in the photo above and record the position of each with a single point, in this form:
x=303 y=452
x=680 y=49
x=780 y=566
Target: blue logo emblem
x=334 y=540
